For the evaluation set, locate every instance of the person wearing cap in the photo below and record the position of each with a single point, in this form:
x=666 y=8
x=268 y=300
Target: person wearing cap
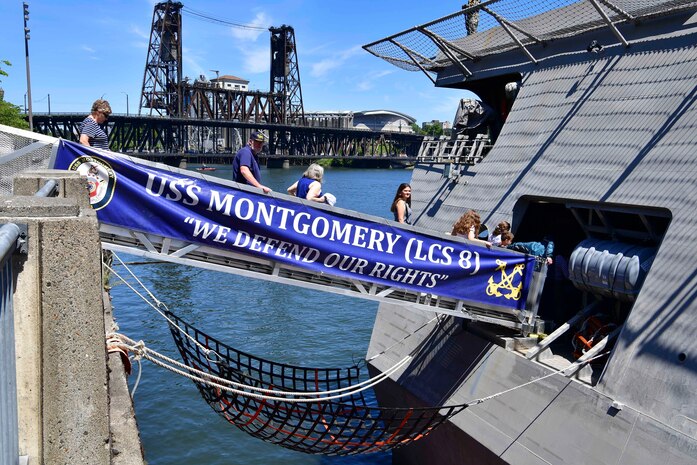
x=245 y=166
x=93 y=128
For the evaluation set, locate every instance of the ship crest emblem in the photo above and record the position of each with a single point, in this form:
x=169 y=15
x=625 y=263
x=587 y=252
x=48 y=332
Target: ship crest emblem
x=101 y=179
x=505 y=287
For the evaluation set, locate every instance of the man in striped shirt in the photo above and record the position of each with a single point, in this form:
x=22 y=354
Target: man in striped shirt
x=93 y=128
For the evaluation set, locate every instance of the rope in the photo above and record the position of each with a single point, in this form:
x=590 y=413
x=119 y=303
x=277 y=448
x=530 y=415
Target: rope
x=161 y=360
x=159 y=303
x=142 y=351
x=484 y=399
x=404 y=338
x=140 y=372
x=208 y=351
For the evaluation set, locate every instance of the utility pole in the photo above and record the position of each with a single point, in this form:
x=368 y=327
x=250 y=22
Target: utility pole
x=26 y=53
x=49 y=104
x=126 y=101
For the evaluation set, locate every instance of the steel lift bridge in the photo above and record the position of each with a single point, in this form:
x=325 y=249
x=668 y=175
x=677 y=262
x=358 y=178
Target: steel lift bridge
x=207 y=121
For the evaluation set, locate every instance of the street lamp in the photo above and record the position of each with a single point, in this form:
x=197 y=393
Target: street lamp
x=25 y=6
x=49 y=104
x=126 y=101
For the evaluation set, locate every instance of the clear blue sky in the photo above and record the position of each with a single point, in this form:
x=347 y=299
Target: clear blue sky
x=82 y=50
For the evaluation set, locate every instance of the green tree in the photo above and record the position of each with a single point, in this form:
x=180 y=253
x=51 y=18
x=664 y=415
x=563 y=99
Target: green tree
x=10 y=115
x=417 y=129
x=2 y=71
x=435 y=129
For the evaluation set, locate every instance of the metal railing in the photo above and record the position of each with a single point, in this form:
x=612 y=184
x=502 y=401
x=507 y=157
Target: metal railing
x=12 y=239
x=49 y=189
x=20 y=151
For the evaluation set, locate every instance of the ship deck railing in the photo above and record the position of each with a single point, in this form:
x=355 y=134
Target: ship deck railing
x=460 y=150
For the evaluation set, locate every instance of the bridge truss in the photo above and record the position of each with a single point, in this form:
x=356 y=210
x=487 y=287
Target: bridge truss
x=166 y=93
x=141 y=134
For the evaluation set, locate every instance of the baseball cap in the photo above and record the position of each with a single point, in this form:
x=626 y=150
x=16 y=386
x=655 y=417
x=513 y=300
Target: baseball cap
x=258 y=136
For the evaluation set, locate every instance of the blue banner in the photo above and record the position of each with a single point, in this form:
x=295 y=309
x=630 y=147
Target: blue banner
x=169 y=203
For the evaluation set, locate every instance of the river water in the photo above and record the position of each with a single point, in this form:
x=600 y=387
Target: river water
x=278 y=322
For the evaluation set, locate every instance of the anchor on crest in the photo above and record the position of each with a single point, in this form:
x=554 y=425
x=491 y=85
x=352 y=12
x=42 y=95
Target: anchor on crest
x=506 y=283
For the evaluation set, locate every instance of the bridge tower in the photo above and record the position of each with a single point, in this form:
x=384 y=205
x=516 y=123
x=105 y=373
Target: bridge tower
x=285 y=75
x=162 y=91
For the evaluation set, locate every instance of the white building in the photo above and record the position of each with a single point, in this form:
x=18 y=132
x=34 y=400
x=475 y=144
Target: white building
x=229 y=82
x=383 y=120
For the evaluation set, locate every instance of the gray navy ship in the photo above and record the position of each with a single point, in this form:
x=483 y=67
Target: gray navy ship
x=591 y=110
x=584 y=134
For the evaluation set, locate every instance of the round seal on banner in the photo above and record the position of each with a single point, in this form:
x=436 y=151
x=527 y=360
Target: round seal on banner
x=101 y=179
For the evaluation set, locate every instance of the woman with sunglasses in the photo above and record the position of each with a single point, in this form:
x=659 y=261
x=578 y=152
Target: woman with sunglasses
x=93 y=128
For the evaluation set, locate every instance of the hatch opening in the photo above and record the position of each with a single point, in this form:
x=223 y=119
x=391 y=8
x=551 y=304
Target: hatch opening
x=602 y=254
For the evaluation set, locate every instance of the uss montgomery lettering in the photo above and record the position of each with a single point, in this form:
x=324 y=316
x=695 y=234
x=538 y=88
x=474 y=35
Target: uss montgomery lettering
x=265 y=213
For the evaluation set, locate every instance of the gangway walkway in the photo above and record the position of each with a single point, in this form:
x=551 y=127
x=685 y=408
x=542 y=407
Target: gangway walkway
x=188 y=218
x=189 y=253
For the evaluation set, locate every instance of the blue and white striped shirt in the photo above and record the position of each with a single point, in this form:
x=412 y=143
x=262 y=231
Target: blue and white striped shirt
x=97 y=135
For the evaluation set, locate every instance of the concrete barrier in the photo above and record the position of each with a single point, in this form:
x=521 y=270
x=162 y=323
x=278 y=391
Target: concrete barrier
x=62 y=378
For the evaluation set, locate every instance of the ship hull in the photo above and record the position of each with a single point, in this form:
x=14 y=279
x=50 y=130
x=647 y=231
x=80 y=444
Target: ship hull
x=596 y=145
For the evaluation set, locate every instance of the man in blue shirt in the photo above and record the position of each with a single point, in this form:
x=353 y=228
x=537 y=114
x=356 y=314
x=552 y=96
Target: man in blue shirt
x=245 y=166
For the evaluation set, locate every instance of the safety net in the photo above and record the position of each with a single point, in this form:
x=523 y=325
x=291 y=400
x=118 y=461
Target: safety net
x=280 y=413
x=486 y=27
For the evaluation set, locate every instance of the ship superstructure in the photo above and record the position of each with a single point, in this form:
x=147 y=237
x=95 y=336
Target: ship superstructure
x=594 y=137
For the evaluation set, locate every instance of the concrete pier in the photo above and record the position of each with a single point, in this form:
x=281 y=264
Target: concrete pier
x=68 y=389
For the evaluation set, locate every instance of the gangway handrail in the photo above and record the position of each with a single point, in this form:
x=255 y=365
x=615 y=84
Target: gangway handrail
x=483 y=306
x=165 y=249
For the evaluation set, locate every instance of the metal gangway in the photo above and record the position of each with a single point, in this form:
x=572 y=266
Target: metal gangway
x=166 y=249
x=22 y=150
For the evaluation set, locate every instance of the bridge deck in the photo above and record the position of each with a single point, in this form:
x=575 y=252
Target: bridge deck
x=141 y=134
